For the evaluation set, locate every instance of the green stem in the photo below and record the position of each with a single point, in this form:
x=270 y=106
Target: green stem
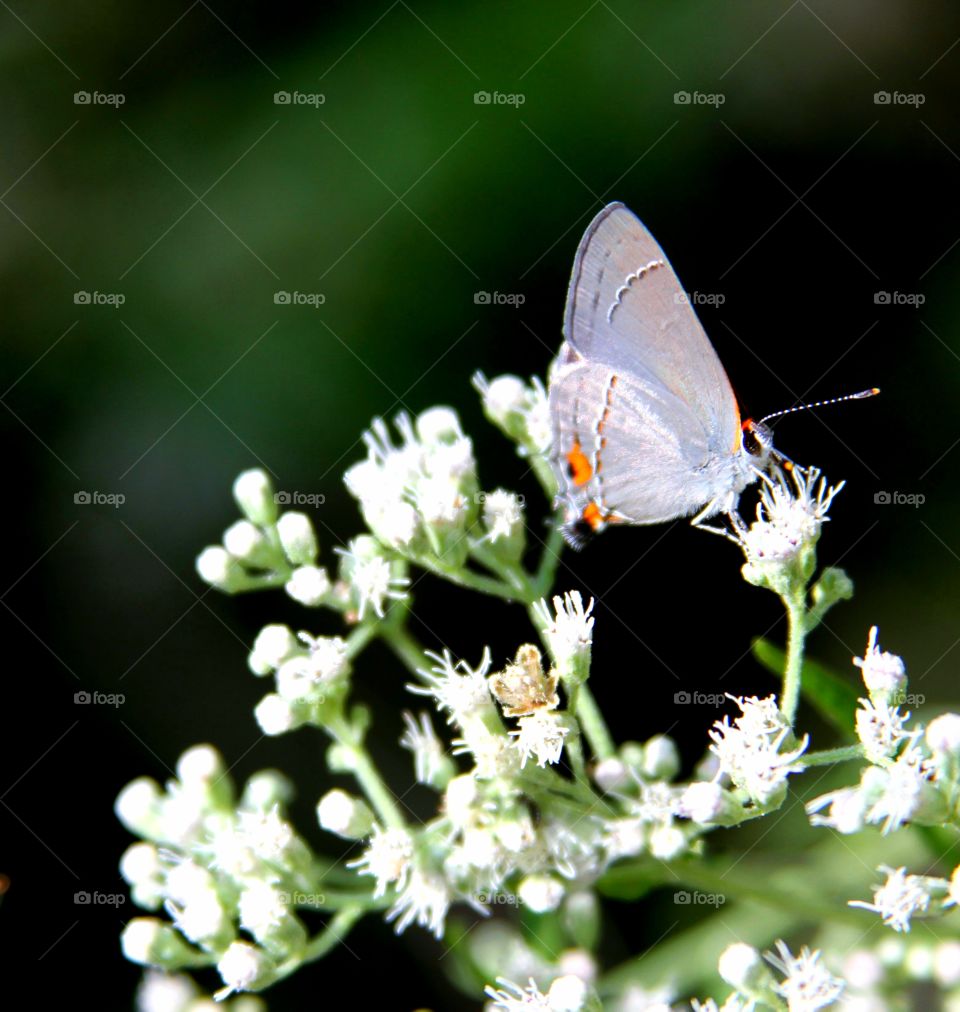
x=407 y=649
x=262 y=582
x=468 y=578
x=594 y=726
x=796 y=633
x=513 y=573
x=360 y=637
x=549 y=560
x=831 y=755
x=377 y=792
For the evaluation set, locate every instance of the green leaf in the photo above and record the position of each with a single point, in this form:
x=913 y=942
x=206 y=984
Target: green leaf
x=630 y=881
x=830 y=694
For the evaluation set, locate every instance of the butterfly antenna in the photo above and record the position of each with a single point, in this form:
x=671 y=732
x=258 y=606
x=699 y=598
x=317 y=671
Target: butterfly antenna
x=872 y=392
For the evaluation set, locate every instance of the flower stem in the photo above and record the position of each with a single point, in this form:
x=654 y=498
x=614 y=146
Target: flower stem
x=831 y=755
x=468 y=578
x=796 y=633
x=378 y=793
x=407 y=649
x=593 y=725
x=359 y=638
x=549 y=560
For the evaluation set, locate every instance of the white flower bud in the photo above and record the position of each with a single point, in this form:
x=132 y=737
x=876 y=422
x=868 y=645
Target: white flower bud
x=275 y=715
x=308 y=585
x=203 y=918
x=578 y=963
x=188 y=880
x=741 y=965
x=504 y=396
x=541 y=893
x=667 y=842
x=140 y=863
x=245 y=541
x=943 y=734
x=242 y=967
x=349 y=817
x=266 y=789
x=705 y=802
x=138 y=806
x=199 y=765
x=438 y=425
x=216 y=566
x=661 y=761
x=884 y=674
x=396 y=525
x=253 y=492
x=459 y=799
x=273 y=645
x=295 y=681
x=152 y=942
x=166 y=992
x=610 y=774
x=297 y=538
x=567 y=994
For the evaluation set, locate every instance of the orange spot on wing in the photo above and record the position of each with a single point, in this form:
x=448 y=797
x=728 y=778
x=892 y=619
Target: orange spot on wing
x=579 y=466
x=593 y=516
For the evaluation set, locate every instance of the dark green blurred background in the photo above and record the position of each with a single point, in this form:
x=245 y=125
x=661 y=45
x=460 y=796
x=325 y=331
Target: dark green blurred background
x=397 y=198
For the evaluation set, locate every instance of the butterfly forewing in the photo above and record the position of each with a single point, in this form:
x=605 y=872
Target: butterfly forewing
x=626 y=308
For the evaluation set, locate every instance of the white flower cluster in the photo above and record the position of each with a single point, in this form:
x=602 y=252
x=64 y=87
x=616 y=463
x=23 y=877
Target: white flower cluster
x=310 y=673
x=420 y=496
x=779 y=544
x=757 y=752
x=215 y=867
x=914 y=774
x=266 y=548
x=802 y=983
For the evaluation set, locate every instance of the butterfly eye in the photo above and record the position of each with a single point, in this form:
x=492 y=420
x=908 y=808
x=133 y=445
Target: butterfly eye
x=757 y=438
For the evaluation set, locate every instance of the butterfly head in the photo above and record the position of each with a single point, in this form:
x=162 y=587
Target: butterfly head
x=757 y=442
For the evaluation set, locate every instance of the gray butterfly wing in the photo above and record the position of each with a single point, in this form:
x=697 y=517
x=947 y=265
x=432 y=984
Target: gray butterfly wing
x=626 y=308
x=626 y=448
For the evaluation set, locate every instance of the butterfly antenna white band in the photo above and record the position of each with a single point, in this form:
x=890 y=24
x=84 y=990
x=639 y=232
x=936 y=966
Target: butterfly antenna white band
x=872 y=392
